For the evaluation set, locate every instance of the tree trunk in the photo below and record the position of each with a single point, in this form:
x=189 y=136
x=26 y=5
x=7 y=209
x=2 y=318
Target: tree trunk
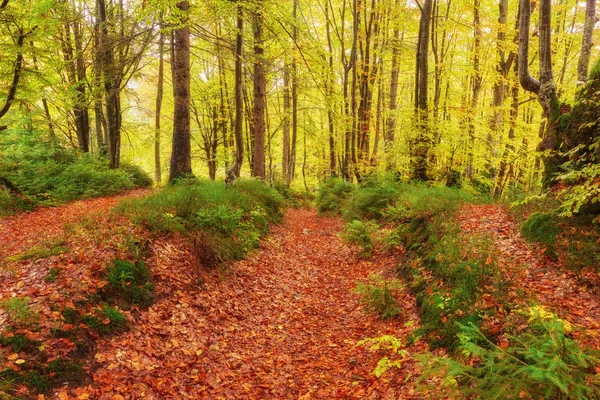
x=234 y=171
x=587 y=43
x=181 y=160
x=422 y=144
x=329 y=94
x=285 y=160
x=112 y=83
x=258 y=166
x=390 y=125
x=159 y=99
x=293 y=144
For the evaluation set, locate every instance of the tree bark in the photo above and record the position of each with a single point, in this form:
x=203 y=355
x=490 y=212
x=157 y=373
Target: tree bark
x=258 y=166
x=234 y=172
x=181 y=160
x=112 y=84
x=285 y=160
x=422 y=144
x=159 y=100
x=587 y=43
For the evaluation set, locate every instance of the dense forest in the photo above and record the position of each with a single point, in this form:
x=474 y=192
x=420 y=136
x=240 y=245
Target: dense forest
x=308 y=199
x=299 y=90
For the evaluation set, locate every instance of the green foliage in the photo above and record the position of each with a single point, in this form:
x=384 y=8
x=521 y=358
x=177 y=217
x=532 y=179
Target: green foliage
x=542 y=228
x=138 y=176
x=232 y=218
x=52 y=274
x=541 y=362
x=332 y=195
x=46 y=249
x=390 y=344
x=377 y=295
x=130 y=282
x=293 y=198
x=360 y=233
x=10 y=204
x=371 y=198
x=48 y=173
x=19 y=343
x=104 y=319
x=19 y=310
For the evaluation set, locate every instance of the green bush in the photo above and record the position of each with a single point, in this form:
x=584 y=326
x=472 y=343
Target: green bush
x=232 y=218
x=371 y=201
x=377 y=296
x=542 y=228
x=360 y=233
x=541 y=362
x=47 y=173
x=138 y=176
x=332 y=195
x=293 y=198
x=130 y=282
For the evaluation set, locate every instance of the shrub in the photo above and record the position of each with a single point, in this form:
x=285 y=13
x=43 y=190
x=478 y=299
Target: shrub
x=138 y=176
x=332 y=194
x=293 y=198
x=542 y=228
x=388 y=343
x=371 y=201
x=130 y=282
x=541 y=362
x=377 y=295
x=19 y=310
x=46 y=172
x=232 y=218
x=360 y=233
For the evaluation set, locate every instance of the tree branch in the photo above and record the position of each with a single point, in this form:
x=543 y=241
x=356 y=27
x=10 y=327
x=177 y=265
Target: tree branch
x=16 y=75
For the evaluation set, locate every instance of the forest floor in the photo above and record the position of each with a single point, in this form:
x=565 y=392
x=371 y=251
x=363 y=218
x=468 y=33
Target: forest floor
x=533 y=277
x=282 y=324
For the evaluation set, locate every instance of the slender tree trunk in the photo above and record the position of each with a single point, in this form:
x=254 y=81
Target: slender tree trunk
x=329 y=94
x=475 y=85
x=181 y=159
x=159 y=99
x=422 y=144
x=234 y=171
x=112 y=84
x=81 y=109
x=285 y=160
x=390 y=130
x=587 y=43
x=294 y=78
x=258 y=166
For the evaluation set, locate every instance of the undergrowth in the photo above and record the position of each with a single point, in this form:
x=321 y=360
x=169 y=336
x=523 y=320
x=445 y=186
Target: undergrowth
x=231 y=218
x=540 y=361
x=46 y=172
x=377 y=296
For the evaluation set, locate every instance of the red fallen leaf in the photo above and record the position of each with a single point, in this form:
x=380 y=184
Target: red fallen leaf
x=106 y=321
x=444 y=319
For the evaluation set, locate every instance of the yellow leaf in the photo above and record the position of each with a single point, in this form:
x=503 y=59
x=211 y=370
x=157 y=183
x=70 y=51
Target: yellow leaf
x=20 y=361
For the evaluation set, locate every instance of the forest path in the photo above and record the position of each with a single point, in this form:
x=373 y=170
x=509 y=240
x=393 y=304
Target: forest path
x=22 y=232
x=533 y=274
x=282 y=324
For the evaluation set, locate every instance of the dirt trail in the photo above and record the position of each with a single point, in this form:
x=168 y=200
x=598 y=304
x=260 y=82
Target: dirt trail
x=535 y=274
x=21 y=232
x=282 y=324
